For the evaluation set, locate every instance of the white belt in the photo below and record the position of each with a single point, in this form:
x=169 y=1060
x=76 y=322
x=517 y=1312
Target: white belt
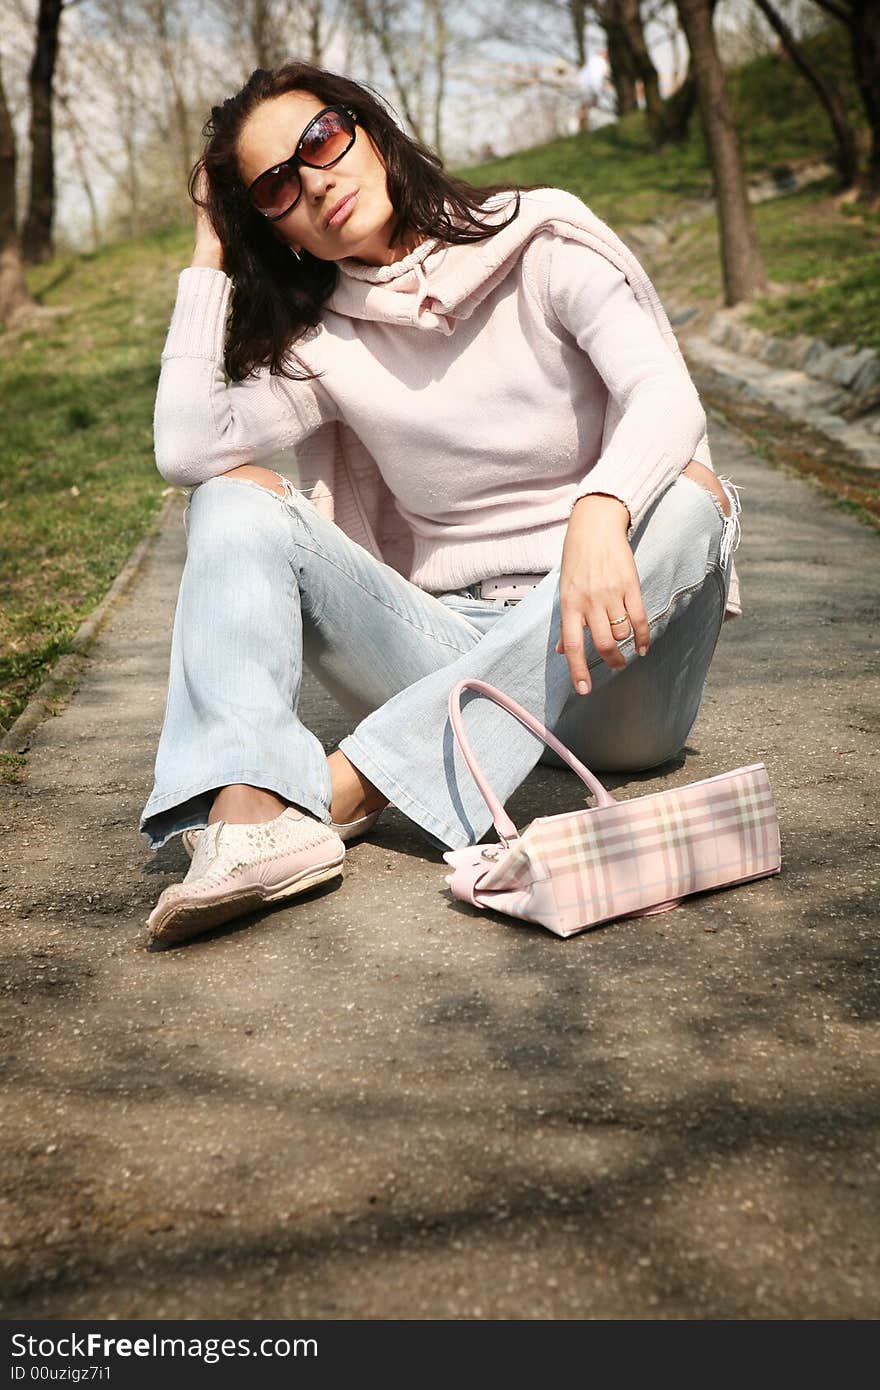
x=505 y=588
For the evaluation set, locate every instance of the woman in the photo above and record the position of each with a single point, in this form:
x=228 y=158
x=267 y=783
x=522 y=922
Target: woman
x=501 y=472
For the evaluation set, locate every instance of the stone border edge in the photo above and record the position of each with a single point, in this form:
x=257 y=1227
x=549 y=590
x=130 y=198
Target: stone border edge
x=17 y=737
x=854 y=371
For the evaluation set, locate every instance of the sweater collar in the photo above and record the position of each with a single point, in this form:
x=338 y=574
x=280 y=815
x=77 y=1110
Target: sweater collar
x=426 y=289
x=384 y=274
x=440 y=284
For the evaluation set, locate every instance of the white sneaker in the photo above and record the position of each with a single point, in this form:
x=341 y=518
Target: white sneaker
x=237 y=868
x=349 y=830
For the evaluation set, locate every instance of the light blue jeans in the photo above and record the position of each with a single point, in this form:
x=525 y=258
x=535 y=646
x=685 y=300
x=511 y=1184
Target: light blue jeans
x=270 y=584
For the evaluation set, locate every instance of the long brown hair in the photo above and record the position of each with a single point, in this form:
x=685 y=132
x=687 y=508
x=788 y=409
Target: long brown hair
x=274 y=297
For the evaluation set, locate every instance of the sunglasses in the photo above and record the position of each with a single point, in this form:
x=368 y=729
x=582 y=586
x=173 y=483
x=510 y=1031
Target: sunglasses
x=326 y=138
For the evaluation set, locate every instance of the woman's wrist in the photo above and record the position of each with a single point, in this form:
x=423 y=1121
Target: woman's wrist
x=605 y=505
x=207 y=255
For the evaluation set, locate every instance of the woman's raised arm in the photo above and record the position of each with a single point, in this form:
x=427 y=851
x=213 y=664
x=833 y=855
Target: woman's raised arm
x=202 y=426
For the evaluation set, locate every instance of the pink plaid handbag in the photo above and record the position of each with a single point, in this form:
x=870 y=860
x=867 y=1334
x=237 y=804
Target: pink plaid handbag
x=617 y=858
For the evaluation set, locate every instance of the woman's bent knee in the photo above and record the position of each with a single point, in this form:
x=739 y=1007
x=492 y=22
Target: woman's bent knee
x=234 y=509
x=709 y=480
x=262 y=477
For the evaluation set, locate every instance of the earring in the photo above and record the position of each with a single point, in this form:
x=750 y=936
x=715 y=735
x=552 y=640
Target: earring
x=296 y=253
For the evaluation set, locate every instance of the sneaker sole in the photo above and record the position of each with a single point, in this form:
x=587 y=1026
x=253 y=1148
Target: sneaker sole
x=183 y=920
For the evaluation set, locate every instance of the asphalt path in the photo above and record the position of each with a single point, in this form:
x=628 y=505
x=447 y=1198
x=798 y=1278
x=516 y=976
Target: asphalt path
x=377 y=1102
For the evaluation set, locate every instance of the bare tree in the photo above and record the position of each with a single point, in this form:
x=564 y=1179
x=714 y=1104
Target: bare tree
x=261 y=30
x=380 y=20
x=37 y=234
x=323 y=20
x=72 y=128
x=568 y=22
x=743 y=270
x=862 y=19
x=264 y=23
x=152 y=65
x=621 y=59
x=439 y=51
x=267 y=33
x=847 y=158
x=15 y=298
x=168 y=23
x=634 y=33
x=866 y=57
x=118 y=55
x=631 y=64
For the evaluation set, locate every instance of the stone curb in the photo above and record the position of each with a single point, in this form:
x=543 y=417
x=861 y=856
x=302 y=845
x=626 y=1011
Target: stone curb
x=847 y=377
x=849 y=374
x=787 y=390
x=68 y=667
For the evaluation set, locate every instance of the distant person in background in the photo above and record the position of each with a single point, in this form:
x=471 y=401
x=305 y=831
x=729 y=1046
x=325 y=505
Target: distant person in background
x=592 y=80
x=430 y=431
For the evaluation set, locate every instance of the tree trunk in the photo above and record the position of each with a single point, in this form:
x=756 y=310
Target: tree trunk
x=631 y=17
x=316 y=45
x=14 y=294
x=865 y=31
x=37 y=235
x=170 y=47
x=847 y=158
x=440 y=40
x=577 y=10
x=258 y=33
x=373 y=19
x=678 y=110
x=742 y=268
x=79 y=144
x=620 y=58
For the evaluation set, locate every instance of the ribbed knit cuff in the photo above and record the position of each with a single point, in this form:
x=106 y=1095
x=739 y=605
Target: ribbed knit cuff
x=198 y=324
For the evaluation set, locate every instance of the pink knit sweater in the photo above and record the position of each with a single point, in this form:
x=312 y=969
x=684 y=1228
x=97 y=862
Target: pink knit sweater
x=468 y=395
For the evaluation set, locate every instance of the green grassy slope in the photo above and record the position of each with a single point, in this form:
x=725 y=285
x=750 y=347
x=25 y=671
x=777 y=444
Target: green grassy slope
x=78 y=486
x=822 y=259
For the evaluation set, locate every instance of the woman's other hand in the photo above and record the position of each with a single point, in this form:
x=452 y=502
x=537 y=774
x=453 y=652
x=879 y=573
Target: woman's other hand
x=208 y=250
x=598 y=582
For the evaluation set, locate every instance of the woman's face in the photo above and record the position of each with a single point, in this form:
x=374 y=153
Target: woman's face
x=356 y=185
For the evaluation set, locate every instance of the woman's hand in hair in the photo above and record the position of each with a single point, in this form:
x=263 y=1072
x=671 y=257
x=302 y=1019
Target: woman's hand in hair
x=208 y=250
x=598 y=582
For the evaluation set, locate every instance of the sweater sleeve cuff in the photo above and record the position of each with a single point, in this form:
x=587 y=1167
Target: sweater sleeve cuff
x=198 y=324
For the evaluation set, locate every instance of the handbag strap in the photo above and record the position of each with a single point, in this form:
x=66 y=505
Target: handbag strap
x=503 y=824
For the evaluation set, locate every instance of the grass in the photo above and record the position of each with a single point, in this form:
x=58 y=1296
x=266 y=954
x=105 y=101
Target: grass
x=823 y=262
x=842 y=306
x=78 y=485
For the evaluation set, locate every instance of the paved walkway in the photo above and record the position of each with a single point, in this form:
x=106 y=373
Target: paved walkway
x=377 y=1103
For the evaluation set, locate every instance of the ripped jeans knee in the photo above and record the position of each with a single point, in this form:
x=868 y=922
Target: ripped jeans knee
x=711 y=482
x=265 y=478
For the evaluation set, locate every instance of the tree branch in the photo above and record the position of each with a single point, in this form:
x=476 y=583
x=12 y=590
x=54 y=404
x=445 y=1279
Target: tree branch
x=837 y=9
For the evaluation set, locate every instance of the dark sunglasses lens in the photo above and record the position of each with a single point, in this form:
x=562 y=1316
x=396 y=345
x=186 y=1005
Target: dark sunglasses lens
x=325 y=140
x=274 y=193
